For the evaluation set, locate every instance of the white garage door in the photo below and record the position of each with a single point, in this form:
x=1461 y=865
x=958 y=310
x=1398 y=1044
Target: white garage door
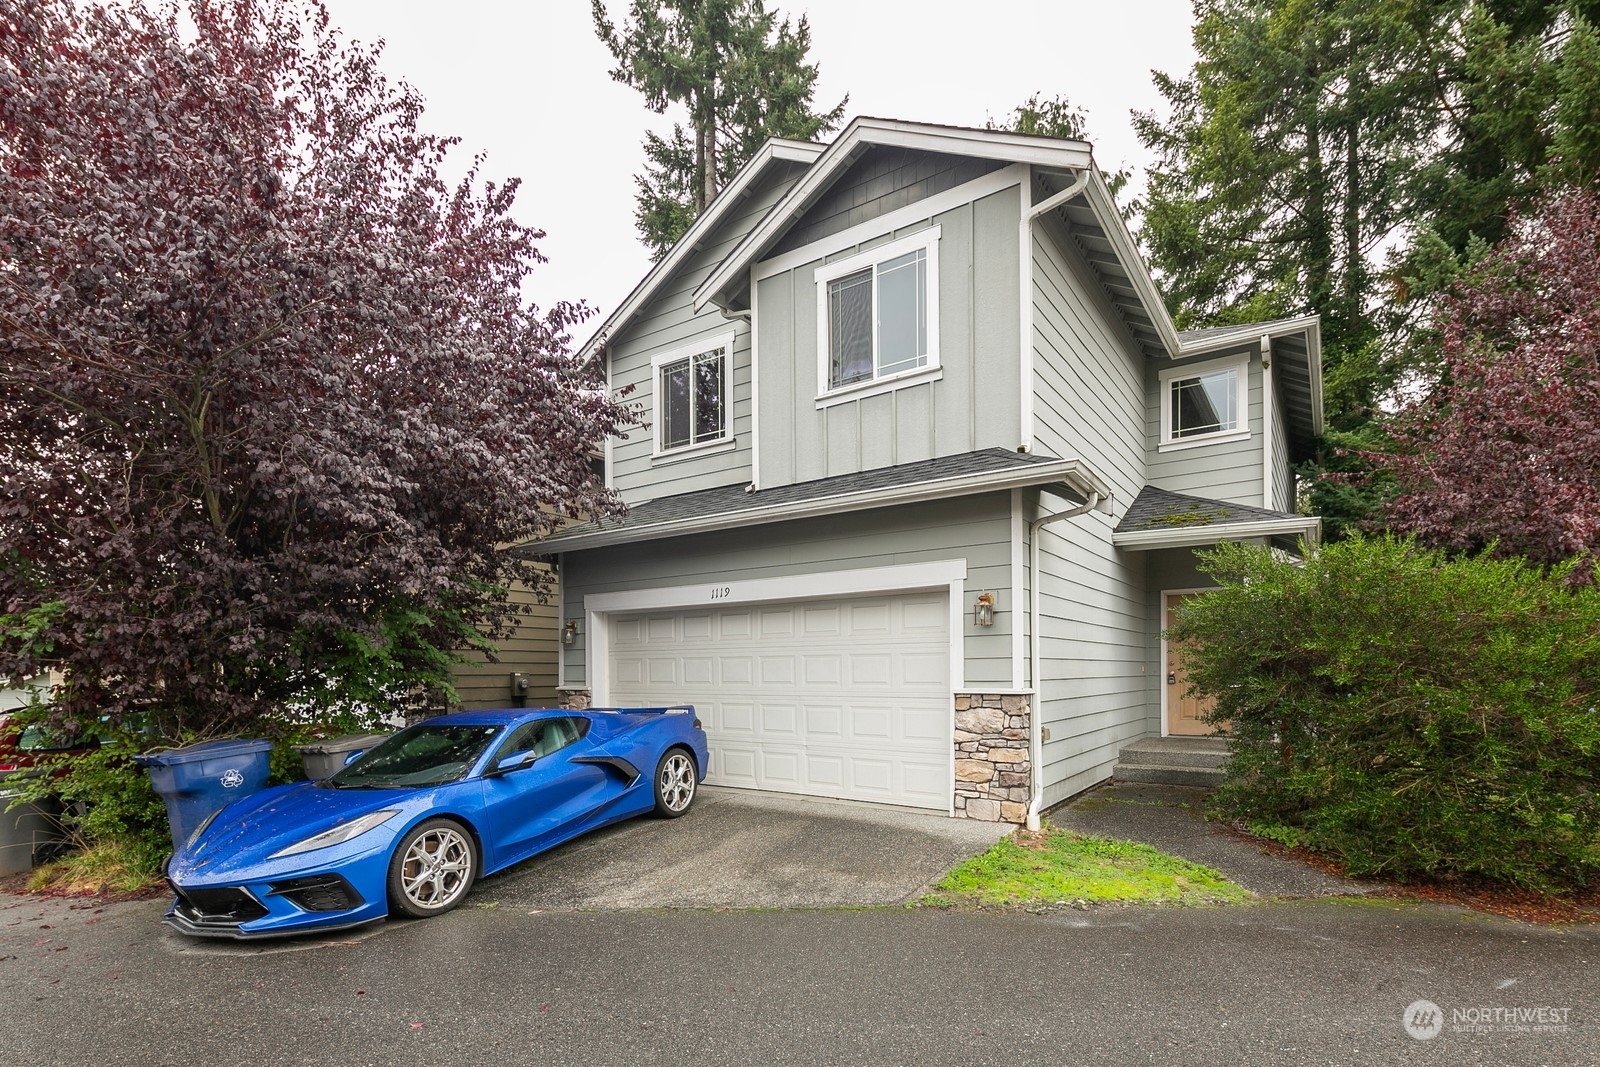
x=838 y=698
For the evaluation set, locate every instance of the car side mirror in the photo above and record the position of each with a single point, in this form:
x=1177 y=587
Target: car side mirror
x=513 y=762
x=352 y=757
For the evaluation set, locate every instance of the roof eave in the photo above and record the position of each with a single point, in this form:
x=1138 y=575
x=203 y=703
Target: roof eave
x=1075 y=474
x=775 y=149
x=1309 y=527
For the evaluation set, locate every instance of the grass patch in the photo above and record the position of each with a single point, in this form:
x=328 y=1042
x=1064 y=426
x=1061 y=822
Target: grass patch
x=1055 y=867
x=105 y=867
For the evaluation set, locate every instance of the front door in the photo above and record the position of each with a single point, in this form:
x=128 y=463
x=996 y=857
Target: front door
x=1185 y=713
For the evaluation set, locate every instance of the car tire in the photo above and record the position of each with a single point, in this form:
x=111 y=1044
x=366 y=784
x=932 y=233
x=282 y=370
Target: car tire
x=676 y=783
x=432 y=869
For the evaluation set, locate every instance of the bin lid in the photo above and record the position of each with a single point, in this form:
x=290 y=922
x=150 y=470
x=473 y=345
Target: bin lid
x=335 y=745
x=209 y=750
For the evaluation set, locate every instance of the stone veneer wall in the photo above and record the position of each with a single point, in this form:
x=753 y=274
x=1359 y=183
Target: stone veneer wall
x=574 y=699
x=992 y=766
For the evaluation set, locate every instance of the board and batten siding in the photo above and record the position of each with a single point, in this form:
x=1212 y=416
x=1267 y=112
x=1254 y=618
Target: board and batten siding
x=1089 y=403
x=975 y=528
x=1224 y=470
x=669 y=323
x=530 y=650
x=971 y=405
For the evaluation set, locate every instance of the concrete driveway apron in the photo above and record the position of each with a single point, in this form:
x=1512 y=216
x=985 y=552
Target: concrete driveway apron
x=742 y=849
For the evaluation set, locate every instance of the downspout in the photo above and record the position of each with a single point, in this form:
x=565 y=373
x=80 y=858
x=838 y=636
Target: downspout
x=1035 y=726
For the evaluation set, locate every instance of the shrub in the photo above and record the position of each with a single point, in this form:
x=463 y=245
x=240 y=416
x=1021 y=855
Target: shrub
x=1412 y=714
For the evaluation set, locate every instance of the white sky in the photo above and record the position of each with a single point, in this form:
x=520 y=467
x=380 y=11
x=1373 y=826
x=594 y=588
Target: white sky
x=526 y=83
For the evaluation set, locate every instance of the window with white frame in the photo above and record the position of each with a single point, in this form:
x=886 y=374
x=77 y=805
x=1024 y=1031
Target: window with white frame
x=878 y=313
x=1204 y=402
x=693 y=392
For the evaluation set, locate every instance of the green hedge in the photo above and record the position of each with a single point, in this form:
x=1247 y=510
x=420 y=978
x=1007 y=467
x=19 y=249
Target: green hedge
x=1413 y=714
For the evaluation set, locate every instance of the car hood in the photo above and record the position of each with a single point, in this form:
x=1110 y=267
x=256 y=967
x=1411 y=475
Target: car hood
x=252 y=829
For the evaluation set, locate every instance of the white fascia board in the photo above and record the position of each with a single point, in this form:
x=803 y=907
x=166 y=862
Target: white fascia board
x=733 y=193
x=1310 y=527
x=1249 y=333
x=1098 y=195
x=982 y=144
x=1071 y=471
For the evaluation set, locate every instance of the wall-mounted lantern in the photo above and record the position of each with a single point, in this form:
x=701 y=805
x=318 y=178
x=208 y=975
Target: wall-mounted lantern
x=569 y=633
x=983 y=610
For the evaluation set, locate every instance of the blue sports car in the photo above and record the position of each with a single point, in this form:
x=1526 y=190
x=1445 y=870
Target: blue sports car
x=409 y=825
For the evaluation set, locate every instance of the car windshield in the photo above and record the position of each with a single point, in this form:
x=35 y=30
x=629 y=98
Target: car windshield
x=421 y=756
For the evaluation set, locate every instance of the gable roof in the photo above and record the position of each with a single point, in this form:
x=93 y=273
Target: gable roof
x=724 y=507
x=776 y=150
x=864 y=132
x=1159 y=518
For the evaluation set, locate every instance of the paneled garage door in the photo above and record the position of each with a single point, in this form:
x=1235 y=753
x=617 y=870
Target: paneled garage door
x=839 y=698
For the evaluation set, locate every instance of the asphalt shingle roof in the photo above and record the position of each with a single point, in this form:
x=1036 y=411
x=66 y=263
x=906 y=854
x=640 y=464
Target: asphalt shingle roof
x=1159 y=509
x=731 y=499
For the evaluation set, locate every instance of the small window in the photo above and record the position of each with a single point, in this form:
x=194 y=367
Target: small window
x=692 y=389
x=1203 y=403
x=542 y=737
x=878 y=315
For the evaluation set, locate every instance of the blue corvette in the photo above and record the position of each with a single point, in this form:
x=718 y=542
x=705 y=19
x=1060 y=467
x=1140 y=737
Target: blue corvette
x=408 y=826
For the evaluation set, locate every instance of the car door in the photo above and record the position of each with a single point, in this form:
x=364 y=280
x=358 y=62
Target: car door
x=529 y=807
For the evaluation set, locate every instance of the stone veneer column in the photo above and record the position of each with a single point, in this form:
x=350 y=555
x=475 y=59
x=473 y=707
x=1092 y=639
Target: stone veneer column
x=574 y=699
x=992 y=765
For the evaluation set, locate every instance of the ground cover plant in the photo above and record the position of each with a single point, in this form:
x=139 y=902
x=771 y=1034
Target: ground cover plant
x=1056 y=866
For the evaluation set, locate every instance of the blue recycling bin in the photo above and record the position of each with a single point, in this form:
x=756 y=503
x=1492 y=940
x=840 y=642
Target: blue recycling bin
x=195 y=781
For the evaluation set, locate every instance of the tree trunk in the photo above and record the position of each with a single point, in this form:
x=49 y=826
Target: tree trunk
x=699 y=185
x=708 y=188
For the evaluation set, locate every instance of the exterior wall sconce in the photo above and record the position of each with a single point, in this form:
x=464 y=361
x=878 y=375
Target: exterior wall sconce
x=983 y=610
x=569 y=633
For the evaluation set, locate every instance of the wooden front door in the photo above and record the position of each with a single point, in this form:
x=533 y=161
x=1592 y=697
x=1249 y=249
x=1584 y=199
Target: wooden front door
x=1185 y=713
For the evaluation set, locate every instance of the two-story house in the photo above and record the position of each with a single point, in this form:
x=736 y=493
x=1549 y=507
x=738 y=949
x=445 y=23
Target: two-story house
x=925 y=466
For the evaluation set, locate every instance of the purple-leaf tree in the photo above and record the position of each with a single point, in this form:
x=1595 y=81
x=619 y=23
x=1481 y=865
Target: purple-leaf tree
x=1506 y=449
x=270 y=395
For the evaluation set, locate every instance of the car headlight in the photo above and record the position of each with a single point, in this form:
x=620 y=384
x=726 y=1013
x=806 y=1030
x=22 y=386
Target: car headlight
x=202 y=828
x=339 y=834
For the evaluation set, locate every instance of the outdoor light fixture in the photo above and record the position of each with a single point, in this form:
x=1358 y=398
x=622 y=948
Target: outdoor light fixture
x=569 y=632
x=983 y=610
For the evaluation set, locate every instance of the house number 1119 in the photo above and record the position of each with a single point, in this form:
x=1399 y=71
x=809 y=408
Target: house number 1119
x=721 y=592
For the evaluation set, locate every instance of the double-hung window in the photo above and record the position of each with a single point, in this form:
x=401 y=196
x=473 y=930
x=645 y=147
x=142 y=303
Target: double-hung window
x=693 y=395
x=1204 y=403
x=878 y=314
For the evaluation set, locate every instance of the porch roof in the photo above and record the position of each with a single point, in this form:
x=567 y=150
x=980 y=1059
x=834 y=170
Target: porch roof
x=1159 y=518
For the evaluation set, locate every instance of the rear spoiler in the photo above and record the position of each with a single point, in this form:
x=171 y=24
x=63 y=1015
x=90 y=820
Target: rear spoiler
x=677 y=709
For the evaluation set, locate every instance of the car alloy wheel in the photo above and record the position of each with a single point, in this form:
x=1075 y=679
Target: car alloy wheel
x=675 y=782
x=432 y=869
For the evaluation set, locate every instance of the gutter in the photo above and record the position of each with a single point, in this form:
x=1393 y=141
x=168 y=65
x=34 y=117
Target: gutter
x=1070 y=471
x=1035 y=726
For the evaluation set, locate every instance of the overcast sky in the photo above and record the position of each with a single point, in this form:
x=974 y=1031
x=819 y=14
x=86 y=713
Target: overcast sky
x=526 y=83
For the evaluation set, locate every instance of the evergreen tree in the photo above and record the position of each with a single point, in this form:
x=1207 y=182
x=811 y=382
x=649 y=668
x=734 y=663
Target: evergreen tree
x=739 y=72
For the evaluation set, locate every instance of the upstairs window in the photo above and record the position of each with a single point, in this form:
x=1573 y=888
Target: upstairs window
x=693 y=395
x=1204 y=403
x=878 y=313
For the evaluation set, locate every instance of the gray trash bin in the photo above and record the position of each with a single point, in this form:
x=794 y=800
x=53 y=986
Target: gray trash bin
x=323 y=758
x=29 y=833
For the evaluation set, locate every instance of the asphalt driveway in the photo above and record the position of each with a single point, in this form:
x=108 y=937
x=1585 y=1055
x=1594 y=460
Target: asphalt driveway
x=741 y=849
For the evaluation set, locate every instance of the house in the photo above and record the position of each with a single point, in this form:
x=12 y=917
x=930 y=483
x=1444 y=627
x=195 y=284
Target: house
x=925 y=468
x=524 y=664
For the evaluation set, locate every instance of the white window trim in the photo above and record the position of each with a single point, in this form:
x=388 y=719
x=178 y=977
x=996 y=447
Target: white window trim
x=723 y=341
x=1241 y=363
x=924 y=239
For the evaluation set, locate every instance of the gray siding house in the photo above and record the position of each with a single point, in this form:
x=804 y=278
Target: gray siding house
x=925 y=465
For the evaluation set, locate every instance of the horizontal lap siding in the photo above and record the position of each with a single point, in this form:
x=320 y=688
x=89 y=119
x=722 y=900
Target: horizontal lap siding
x=972 y=406
x=530 y=650
x=668 y=323
x=1089 y=403
x=1228 y=470
x=976 y=529
x=1282 y=471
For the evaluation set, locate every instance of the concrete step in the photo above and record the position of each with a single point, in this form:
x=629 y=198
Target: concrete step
x=1154 y=774
x=1205 y=753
